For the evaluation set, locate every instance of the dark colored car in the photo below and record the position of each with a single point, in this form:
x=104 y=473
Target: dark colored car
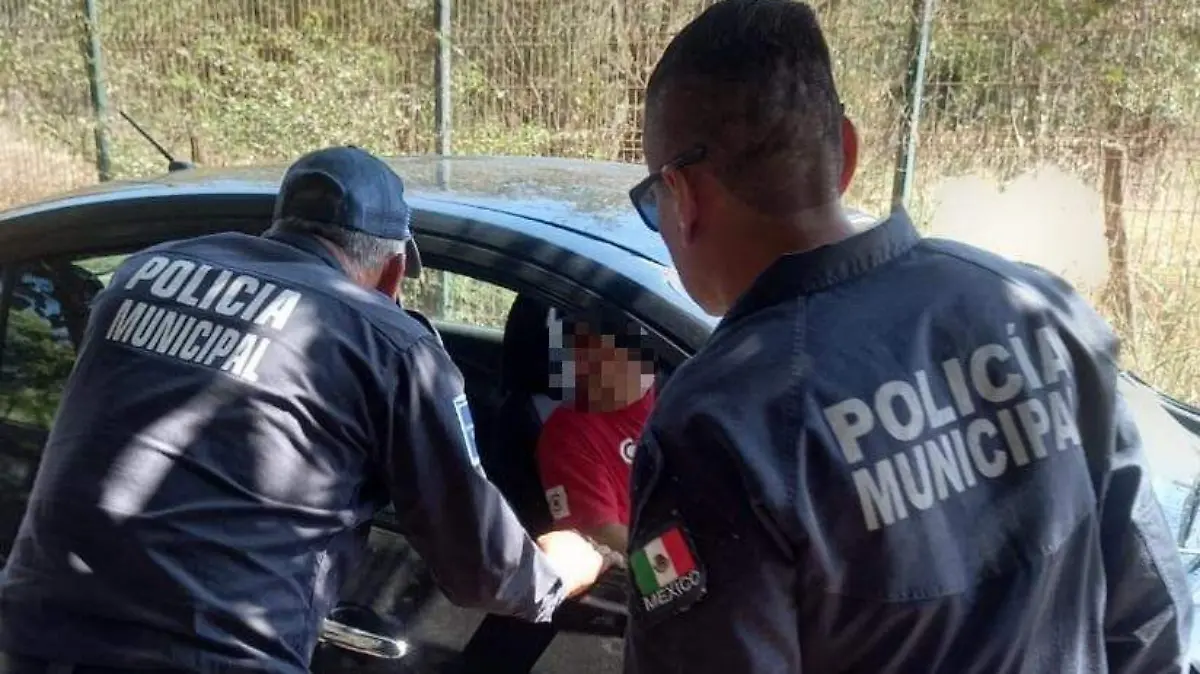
x=503 y=240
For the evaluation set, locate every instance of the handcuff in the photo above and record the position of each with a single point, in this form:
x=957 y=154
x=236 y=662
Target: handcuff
x=611 y=557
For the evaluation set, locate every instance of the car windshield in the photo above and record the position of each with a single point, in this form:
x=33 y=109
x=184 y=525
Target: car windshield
x=1169 y=436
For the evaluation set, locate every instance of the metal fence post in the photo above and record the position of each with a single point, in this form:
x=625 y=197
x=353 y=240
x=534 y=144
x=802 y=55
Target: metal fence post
x=96 y=85
x=906 y=156
x=442 y=122
x=442 y=77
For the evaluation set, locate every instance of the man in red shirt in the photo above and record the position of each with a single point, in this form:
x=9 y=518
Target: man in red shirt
x=584 y=455
x=587 y=444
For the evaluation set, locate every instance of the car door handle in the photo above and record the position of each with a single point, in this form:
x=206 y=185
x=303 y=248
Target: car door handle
x=360 y=629
x=362 y=641
x=604 y=605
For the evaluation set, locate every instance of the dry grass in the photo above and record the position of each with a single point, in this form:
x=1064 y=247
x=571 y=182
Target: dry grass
x=1162 y=337
x=32 y=169
x=1009 y=89
x=1052 y=217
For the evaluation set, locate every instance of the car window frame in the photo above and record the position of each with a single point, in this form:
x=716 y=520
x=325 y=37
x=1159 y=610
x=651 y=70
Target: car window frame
x=503 y=267
x=550 y=286
x=545 y=284
x=429 y=267
x=8 y=279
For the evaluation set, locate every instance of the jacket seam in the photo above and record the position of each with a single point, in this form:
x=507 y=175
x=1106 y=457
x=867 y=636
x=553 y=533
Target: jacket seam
x=794 y=417
x=934 y=248
x=893 y=253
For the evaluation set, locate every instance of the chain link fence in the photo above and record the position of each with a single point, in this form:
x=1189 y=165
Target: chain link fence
x=1107 y=92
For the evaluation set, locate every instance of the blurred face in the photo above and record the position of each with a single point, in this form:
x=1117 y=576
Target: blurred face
x=607 y=376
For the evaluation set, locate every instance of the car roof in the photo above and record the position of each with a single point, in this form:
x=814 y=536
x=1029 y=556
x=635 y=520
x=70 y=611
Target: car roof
x=585 y=196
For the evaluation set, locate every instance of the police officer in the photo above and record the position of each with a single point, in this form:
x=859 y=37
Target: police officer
x=894 y=454
x=240 y=409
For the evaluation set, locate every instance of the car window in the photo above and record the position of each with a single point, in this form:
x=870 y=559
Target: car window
x=1168 y=431
x=447 y=297
x=103 y=267
x=46 y=318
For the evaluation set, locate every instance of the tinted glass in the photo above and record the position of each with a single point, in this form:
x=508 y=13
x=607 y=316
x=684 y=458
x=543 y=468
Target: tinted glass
x=46 y=319
x=453 y=298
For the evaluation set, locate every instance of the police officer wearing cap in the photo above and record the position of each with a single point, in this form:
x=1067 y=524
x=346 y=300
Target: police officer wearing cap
x=895 y=454
x=240 y=408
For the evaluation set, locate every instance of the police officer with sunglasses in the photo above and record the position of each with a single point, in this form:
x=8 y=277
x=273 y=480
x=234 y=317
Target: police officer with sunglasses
x=895 y=454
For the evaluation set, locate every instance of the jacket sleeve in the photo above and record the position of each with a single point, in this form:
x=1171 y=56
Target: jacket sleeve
x=1148 y=615
x=455 y=518
x=739 y=613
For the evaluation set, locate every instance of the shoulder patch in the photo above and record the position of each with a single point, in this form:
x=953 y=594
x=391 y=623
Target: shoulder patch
x=556 y=498
x=467 y=426
x=667 y=574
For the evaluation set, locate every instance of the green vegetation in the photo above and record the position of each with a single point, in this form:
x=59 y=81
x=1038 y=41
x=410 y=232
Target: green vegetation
x=103 y=267
x=1010 y=84
x=30 y=393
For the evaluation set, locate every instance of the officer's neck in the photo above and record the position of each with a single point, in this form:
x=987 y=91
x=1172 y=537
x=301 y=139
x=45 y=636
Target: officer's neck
x=364 y=278
x=765 y=240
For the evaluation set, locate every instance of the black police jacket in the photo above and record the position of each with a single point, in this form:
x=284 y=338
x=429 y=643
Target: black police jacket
x=238 y=412
x=901 y=455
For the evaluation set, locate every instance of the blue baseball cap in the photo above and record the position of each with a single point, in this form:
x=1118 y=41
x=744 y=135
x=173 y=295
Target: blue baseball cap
x=351 y=188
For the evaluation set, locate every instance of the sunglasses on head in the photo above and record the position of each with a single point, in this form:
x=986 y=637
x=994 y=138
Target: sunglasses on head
x=643 y=196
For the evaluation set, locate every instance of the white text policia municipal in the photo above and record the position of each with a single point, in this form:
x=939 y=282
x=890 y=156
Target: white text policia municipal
x=223 y=295
x=943 y=446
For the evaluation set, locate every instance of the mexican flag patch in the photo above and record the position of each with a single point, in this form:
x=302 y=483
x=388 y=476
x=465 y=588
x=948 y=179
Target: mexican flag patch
x=667 y=573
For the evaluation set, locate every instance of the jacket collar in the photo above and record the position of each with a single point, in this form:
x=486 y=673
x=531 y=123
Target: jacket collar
x=309 y=245
x=798 y=274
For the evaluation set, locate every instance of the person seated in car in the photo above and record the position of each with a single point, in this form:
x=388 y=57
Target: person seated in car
x=586 y=446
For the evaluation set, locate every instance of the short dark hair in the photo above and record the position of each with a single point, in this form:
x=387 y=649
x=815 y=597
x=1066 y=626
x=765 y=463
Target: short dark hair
x=362 y=249
x=602 y=322
x=752 y=81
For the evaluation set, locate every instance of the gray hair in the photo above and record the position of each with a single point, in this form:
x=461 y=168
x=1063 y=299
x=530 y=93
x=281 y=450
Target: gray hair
x=363 y=250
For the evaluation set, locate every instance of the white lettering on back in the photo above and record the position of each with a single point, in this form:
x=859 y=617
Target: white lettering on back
x=147 y=271
x=850 y=420
x=1004 y=412
x=223 y=324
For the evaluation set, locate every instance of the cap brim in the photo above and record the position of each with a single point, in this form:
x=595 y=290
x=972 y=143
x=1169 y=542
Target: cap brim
x=412 y=259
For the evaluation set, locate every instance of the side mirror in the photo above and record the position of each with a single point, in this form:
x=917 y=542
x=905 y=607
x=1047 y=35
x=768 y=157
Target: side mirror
x=360 y=630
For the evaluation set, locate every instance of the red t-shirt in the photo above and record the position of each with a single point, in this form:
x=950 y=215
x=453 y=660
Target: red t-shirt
x=584 y=459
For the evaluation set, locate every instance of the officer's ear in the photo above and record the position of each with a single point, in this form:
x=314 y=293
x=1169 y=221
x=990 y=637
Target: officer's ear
x=686 y=210
x=849 y=154
x=390 y=275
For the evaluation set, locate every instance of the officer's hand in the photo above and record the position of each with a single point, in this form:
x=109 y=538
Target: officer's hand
x=574 y=558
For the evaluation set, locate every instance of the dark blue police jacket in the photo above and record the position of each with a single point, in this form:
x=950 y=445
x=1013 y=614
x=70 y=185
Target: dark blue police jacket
x=238 y=412
x=901 y=455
